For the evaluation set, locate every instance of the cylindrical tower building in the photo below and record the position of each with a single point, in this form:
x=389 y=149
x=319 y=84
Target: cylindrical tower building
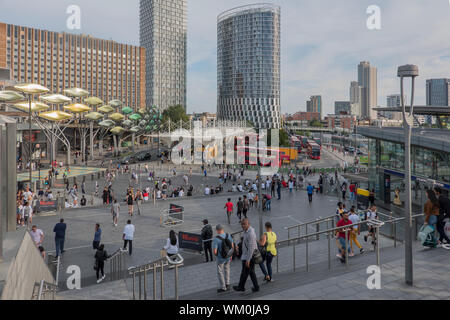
x=248 y=65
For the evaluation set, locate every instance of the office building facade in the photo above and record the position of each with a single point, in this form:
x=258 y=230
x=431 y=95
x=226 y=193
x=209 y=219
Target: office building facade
x=367 y=80
x=163 y=33
x=107 y=69
x=314 y=105
x=248 y=65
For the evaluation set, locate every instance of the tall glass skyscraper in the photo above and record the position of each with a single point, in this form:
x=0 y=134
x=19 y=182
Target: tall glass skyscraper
x=248 y=65
x=163 y=33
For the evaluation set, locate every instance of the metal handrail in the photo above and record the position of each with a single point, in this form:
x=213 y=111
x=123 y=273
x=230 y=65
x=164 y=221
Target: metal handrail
x=175 y=261
x=307 y=224
x=375 y=223
x=116 y=265
x=44 y=288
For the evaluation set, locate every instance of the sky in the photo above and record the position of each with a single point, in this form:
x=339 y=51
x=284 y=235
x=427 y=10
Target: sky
x=323 y=41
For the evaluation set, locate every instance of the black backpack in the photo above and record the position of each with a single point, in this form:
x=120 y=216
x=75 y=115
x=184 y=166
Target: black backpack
x=226 y=249
x=208 y=233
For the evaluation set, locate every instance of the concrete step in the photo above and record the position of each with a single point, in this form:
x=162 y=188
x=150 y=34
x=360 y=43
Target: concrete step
x=115 y=290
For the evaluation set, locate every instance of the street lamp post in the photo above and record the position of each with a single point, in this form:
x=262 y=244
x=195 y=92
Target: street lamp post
x=408 y=71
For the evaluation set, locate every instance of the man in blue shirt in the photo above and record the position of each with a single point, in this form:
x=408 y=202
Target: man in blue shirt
x=60 y=235
x=223 y=264
x=97 y=237
x=310 y=190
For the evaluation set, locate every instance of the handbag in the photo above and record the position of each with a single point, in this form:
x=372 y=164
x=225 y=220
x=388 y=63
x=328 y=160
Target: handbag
x=95 y=265
x=257 y=257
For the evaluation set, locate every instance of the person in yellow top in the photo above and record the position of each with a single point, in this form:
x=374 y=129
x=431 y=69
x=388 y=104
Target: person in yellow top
x=268 y=245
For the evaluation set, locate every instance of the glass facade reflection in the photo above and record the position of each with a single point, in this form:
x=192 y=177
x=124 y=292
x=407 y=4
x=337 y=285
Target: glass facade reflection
x=248 y=65
x=386 y=170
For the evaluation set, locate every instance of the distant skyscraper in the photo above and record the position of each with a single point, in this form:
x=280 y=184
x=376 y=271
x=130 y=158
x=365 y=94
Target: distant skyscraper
x=355 y=98
x=314 y=105
x=367 y=79
x=248 y=65
x=163 y=33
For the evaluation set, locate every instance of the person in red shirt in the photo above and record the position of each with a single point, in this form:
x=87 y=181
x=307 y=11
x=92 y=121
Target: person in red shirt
x=229 y=206
x=352 y=189
x=342 y=241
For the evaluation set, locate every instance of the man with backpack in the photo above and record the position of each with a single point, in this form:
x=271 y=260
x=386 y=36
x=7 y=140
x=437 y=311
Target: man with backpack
x=223 y=249
x=207 y=235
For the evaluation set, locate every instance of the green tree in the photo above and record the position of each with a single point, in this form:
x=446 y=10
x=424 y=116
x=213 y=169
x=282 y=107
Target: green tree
x=175 y=114
x=315 y=123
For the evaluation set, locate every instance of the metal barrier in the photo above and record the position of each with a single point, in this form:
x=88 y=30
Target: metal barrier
x=117 y=265
x=377 y=224
x=54 y=264
x=315 y=224
x=140 y=273
x=42 y=289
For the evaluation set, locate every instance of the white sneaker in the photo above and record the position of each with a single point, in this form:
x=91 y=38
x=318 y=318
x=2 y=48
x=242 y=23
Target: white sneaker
x=99 y=280
x=103 y=278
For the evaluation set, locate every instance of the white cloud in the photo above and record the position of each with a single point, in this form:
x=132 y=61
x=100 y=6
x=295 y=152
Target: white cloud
x=322 y=42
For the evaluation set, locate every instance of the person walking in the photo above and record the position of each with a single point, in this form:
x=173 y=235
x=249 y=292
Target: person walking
x=444 y=213
x=60 y=235
x=172 y=246
x=246 y=207
x=371 y=214
x=37 y=235
x=249 y=246
x=372 y=197
x=100 y=257
x=310 y=191
x=130 y=203
x=229 y=206
x=128 y=236
x=267 y=243
x=279 y=189
x=97 y=237
x=431 y=209
x=115 y=210
x=223 y=247
x=138 y=199
x=354 y=218
x=240 y=208
x=343 y=242
x=207 y=236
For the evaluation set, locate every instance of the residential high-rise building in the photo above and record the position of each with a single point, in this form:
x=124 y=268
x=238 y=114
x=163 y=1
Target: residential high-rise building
x=107 y=69
x=355 y=98
x=163 y=33
x=367 y=80
x=248 y=65
x=314 y=105
x=342 y=108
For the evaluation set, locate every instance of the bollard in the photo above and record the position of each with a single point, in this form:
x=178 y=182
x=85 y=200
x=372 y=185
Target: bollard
x=92 y=177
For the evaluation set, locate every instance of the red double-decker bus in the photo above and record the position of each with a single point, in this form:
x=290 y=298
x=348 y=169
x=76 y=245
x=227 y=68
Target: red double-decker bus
x=296 y=143
x=313 y=150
